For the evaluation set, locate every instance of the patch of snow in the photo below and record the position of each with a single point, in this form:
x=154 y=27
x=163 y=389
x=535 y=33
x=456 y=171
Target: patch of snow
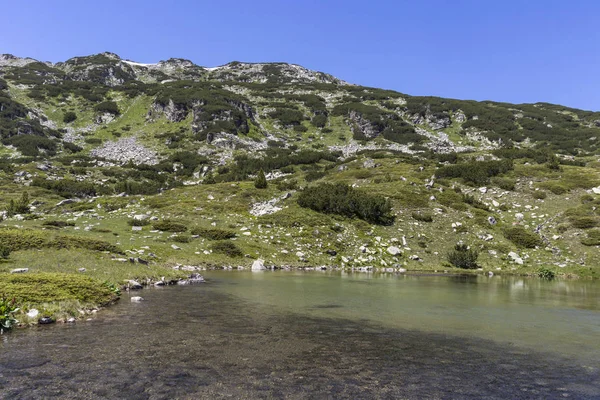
x=138 y=64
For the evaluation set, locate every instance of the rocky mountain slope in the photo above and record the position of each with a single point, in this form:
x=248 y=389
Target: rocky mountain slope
x=162 y=159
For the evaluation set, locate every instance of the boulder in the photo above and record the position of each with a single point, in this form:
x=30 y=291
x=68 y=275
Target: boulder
x=134 y=285
x=258 y=265
x=136 y=299
x=393 y=250
x=19 y=270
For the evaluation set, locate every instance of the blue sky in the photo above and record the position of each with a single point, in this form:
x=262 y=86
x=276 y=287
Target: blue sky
x=513 y=51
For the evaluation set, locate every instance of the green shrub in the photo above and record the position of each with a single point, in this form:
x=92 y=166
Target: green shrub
x=138 y=222
x=344 y=200
x=33 y=145
x=181 y=238
x=556 y=187
x=4 y=251
x=312 y=176
x=213 y=233
x=592 y=239
x=107 y=107
x=471 y=200
x=8 y=309
x=69 y=117
x=504 y=183
x=261 y=181
x=93 y=140
x=546 y=273
x=50 y=287
x=583 y=221
x=19 y=207
x=227 y=248
x=540 y=195
x=475 y=172
x=73 y=148
x=67 y=187
x=31 y=239
x=522 y=238
x=422 y=216
x=58 y=224
x=287 y=184
x=169 y=226
x=463 y=257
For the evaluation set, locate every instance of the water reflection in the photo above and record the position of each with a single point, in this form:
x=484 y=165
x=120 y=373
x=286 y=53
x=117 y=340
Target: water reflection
x=303 y=335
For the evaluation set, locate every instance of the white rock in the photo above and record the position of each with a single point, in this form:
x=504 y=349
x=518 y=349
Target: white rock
x=175 y=247
x=393 y=250
x=19 y=270
x=483 y=190
x=519 y=216
x=137 y=299
x=258 y=265
x=33 y=313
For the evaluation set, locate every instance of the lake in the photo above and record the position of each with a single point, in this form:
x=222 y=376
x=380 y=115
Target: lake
x=303 y=335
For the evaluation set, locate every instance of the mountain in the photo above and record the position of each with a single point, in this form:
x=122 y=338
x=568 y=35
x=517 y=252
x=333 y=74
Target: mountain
x=358 y=177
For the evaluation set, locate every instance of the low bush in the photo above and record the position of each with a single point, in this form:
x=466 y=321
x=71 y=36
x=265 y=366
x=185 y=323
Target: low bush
x=8 y=309
x=69 y=117
x=213 y=233
x=504 y=183
x=312 y=176
x=592 y=239
x=463 y=257
x=469 y=199
x=540 y=195
x=227 y=248
x=422 y=216
x=58 y=224
x=181 y=238
x=475 y=172
x=546 y=273
x=344 y=200
x=138 y=222
x=107 y=107
x=583 y=221
x=17 y=240
x=522 y=238
x=51 y=287
x=4 y=251
x=169 y=226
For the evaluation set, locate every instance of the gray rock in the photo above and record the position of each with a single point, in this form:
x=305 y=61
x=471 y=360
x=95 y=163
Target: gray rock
x=134 y=284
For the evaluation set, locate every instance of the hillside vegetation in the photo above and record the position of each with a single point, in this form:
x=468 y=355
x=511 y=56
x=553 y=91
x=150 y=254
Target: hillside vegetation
x=137 y=171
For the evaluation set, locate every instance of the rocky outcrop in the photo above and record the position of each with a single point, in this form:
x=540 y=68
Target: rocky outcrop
x=270 y=72
x=173 y=112
x=366 y=127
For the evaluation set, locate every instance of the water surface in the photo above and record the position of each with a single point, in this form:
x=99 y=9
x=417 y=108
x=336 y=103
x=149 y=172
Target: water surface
x=321 y=335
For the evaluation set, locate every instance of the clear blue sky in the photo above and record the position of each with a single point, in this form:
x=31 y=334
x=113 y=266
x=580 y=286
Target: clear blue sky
x=504 y=50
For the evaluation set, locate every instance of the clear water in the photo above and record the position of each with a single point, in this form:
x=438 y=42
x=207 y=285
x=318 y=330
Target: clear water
x=321 y=335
